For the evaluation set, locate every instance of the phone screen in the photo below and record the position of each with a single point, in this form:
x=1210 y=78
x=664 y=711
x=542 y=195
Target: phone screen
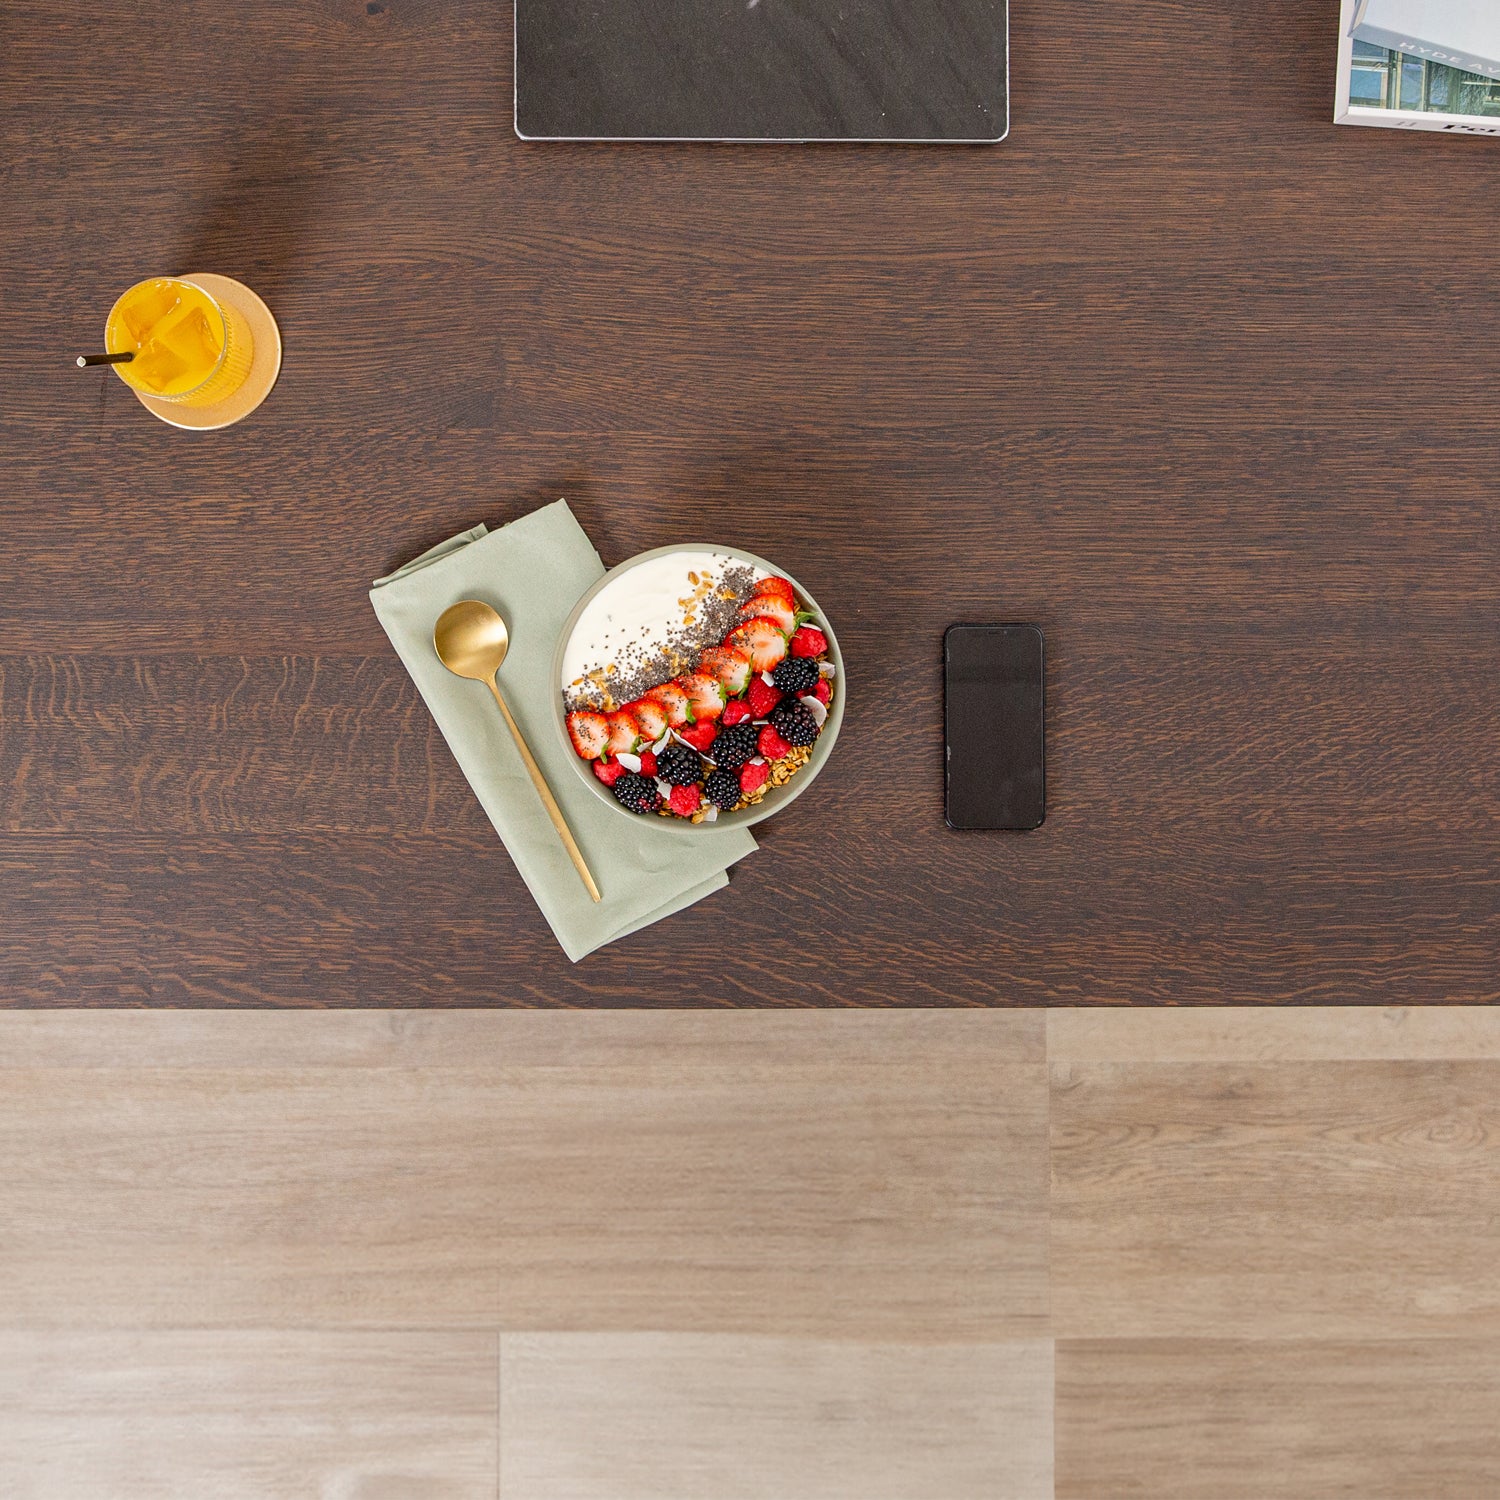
x=993 y=725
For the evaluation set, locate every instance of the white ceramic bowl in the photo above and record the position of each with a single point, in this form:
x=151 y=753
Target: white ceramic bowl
x=777 y=797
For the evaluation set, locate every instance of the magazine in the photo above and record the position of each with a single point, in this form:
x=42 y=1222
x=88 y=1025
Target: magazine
x=1464 y=34
x=1397 y=89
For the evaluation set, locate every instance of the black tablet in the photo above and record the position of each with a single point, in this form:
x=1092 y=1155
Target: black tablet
x=762 y=70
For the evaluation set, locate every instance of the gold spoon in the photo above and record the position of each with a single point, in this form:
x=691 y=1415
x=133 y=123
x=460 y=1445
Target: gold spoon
x=471 y=641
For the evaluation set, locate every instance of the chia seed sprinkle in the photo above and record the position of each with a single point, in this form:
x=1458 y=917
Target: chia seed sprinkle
x=644 y=663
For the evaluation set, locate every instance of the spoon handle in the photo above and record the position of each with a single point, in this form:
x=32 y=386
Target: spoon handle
x=545 y=793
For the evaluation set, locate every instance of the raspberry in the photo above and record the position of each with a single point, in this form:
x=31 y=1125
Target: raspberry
x=608 y=771
x=753 y=776
x=771 y=744
x=762 y=698
x=685 y=800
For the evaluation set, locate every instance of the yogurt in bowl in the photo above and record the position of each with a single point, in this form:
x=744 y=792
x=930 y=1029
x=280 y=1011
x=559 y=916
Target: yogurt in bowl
x=650 y=621
x=699 y=684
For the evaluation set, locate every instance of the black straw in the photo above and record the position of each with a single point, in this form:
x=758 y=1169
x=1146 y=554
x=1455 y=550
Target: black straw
x=85 y=360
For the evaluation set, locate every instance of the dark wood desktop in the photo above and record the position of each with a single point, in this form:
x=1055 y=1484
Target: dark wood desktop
x=1198 y=382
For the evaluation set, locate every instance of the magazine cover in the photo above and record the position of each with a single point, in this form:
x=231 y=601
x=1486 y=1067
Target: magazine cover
x=1400 y=90
x=1462 y=34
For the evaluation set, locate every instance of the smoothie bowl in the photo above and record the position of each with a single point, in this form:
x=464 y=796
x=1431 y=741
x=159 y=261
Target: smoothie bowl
x=698 y=685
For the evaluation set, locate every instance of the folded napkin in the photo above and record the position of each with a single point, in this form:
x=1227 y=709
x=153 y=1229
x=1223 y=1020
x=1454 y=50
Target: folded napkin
x=534 y=571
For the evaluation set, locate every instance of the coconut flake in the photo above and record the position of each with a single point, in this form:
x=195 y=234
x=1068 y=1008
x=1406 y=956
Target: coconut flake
x=712 y=815
x=629 y=761
x=766 y=678
x=757 y=760
x=662 y=743
x=691 y=746
x=819 y=711
x=664 y=787
x=827 y=669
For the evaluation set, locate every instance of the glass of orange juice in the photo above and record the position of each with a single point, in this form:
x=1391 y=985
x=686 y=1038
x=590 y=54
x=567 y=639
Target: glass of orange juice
x=186 y=346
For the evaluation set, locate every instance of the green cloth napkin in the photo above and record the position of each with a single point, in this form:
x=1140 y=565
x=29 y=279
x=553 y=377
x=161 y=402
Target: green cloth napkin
x=534 y=571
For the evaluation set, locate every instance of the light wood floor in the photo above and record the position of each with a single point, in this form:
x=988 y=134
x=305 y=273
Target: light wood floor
x=938 y=1255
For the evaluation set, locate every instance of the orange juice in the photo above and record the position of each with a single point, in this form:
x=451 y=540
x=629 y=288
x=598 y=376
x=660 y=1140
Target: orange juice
x=189 y=347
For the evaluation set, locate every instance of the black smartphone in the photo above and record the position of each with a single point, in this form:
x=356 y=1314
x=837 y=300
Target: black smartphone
x=992 y=713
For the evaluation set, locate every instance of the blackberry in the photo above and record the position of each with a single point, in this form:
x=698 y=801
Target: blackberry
x=637 y=793
x=732 y=747
x=796 y=674
x=678 y=765
x=722 y=789
x=793 y=721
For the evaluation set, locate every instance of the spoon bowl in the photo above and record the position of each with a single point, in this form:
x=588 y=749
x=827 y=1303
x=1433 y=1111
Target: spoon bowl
x=471 y=640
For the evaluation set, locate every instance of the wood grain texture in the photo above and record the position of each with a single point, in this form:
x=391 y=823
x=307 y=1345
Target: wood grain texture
x=1215 y=1419
x=1281 y=1198
x=319 y=918
x=678 y=1417
x=705 y=1046
x=748 y=1252
x=194 y=743
x=782 y=1181
x=1116 y=376
x=1304 y=1034
x=248 y=1416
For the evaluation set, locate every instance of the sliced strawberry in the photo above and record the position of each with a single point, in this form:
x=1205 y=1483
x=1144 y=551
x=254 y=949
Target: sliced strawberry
x=651 y=716
x=648 y=763
x=699 y=736
x=589 y=732
x=824 y=691
x=736 y=712
x=624 y=732
x=762 y=698
x=809 y=641
x=705 y=693
x=768 y=607
x=675 y=701
x=778 y=588
x=685 y=800
x=730 y=665
x=762 y=639
x=753 y=777
x=771 y=744
x=608 y=771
